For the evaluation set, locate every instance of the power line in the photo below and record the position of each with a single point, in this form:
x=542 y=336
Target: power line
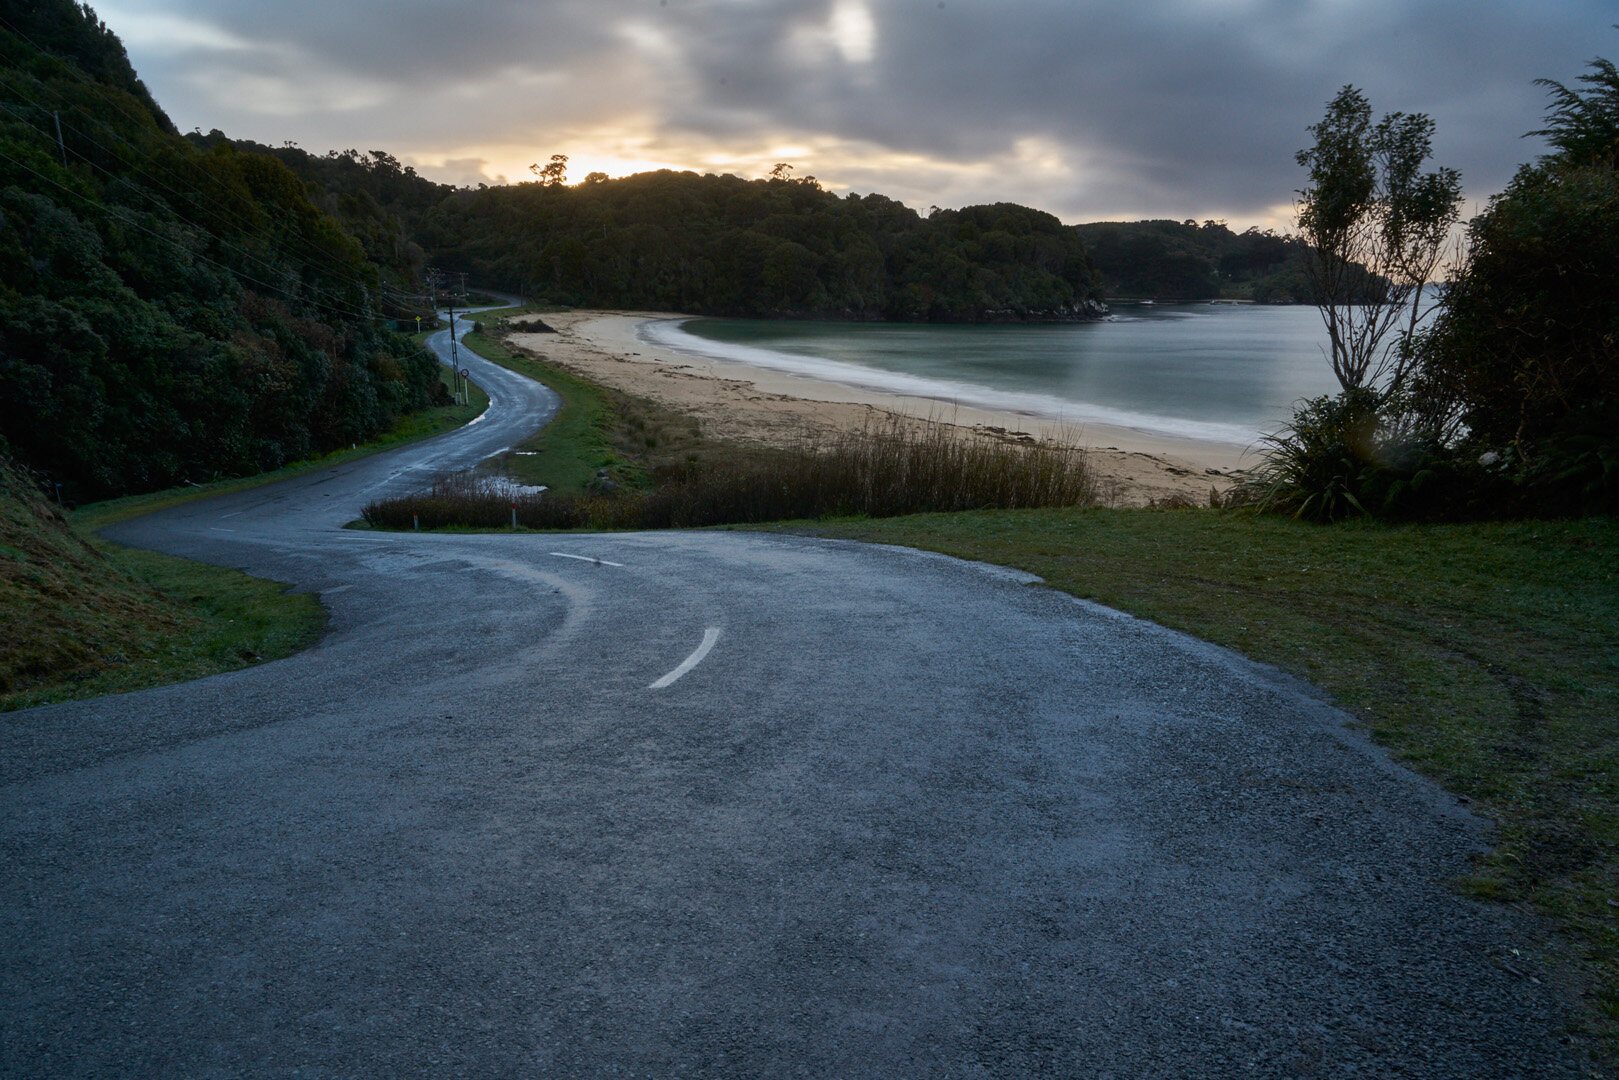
x=117 y=212
x=75 y=71
x=244 y=253
x=194 y=197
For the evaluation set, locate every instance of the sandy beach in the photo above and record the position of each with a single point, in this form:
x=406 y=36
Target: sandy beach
x=738 y=401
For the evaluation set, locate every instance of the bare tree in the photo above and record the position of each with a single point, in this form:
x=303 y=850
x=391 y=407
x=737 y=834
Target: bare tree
x=1376 y=227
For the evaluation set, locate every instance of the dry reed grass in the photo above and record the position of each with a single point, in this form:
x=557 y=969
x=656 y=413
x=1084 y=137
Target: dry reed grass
x=883 y=470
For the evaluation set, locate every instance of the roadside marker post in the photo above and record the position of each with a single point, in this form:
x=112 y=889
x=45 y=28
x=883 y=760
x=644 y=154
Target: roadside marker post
x=514 y=516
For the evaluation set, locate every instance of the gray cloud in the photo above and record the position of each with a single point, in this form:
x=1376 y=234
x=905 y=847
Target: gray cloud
x=1176 y=108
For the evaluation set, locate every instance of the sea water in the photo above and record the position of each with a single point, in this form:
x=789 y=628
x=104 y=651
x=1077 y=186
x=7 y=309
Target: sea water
x=1220 y=372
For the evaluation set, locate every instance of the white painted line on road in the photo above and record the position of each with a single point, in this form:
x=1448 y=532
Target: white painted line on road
x=586 y=558
x=711 y=635
x=216 y=528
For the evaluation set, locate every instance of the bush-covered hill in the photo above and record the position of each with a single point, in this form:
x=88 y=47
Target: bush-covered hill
x=168 y=314
x=706 y=244
x=379 y=201
x=724 y=245
x=1185 y=260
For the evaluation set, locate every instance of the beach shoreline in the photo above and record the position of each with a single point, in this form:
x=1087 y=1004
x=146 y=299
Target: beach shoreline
x=734 y=400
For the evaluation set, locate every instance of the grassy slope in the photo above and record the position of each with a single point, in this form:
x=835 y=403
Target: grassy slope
x=80 y=617
x=1484 y=655
x=83 y=617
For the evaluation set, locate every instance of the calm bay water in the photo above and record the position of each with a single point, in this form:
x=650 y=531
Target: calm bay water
x=1218 y=372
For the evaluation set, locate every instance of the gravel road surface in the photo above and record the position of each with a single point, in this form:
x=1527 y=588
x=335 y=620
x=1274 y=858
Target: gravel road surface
x=724 y=805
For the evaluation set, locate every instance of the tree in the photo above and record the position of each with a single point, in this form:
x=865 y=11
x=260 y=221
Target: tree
x=1375 y=227
x=1584 y=126
x=1528 y=343
x=553 y=174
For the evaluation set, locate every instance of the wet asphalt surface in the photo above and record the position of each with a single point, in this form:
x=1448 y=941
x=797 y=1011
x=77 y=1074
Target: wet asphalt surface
x=907 y=817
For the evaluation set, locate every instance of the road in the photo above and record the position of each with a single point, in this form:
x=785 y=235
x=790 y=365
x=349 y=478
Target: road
x=726 y=805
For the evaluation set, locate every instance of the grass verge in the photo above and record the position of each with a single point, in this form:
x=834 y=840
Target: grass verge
x=81 y=617
x=1483 y=655
x=568 y=452
x=637 y=441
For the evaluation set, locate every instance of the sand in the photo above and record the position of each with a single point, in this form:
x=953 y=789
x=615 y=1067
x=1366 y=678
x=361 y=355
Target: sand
x=736 y=401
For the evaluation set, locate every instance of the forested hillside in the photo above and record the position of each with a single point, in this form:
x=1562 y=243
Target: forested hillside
x=708 y=244
x=168 y=314
x=724 y=245
x=380 y=202
x=1185 y=260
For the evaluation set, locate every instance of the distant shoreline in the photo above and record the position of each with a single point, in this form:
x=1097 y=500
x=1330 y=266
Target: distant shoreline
x=1034 y=406
x=755 y=404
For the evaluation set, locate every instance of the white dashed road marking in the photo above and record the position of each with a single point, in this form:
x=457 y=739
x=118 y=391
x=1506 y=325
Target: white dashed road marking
x=586 y=558
x=711 y=635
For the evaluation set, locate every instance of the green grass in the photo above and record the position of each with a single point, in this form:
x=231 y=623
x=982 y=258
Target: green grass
x=1484 y=655
x=597 y=428
x=569 y=451
x=156 y=619
x=79 y=617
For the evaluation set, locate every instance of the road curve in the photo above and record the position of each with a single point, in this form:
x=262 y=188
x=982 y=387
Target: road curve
x=726 y=805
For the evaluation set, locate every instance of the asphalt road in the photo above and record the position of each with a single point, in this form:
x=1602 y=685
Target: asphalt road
x=904 y=817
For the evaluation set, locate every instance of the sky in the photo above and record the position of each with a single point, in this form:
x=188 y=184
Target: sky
x=1119 y=111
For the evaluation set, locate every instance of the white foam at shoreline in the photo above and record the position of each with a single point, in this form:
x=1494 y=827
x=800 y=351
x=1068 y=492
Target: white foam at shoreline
x=671 y=334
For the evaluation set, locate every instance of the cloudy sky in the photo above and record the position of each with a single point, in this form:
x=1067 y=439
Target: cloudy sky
x=1123 y=110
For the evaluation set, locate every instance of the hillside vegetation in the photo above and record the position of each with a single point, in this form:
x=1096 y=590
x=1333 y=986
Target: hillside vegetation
x=168 y=314
x=1185 y=260
x=81 y=618
x=725 y=245
x=707 y=244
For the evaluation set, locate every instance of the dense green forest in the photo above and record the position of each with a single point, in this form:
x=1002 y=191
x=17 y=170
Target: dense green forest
x=709 y=244
x=168 y=314
x=1525 y=351
x=1186 y=260
x=379 y=201
x=725 y=245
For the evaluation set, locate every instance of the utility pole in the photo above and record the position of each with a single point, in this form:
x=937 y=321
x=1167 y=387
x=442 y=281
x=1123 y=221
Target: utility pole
x=455 y=363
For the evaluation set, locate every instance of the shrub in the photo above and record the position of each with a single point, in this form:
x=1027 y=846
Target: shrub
x=1359 y=453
